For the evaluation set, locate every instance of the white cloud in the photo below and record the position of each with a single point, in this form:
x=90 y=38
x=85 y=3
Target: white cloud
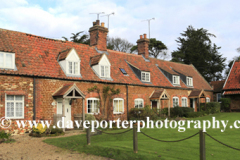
x=172 y=17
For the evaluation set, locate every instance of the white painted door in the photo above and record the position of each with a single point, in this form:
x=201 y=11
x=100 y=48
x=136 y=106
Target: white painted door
x=67 y=110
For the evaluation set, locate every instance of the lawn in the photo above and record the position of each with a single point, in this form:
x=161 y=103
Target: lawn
x=121 y=146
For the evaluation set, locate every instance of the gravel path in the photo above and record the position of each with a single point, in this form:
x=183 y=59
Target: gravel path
x=30 y=148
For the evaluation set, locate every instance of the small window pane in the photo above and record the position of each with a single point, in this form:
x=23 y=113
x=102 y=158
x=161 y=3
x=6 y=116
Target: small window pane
x=70 y=67
x=76 y=67
x=107 y=71
x=9 y=60
x=1 y=60
x=115 y=105
x=10 y=109
x=9 y=97
x=102 y=71
x=143 y=76
x=19 y=107
x=95 y=106
x=120 y=106
x=18 y=98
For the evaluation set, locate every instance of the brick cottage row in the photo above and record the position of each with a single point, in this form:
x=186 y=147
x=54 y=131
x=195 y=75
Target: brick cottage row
x=41 y=78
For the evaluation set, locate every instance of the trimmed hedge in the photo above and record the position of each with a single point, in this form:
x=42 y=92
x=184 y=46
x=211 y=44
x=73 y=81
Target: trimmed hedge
x=142 y=113
x=225 y=105
x=177 y=111
x=212 y=107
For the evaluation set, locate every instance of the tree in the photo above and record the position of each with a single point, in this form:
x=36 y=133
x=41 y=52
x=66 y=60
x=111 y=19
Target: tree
x=157 y=49
x=79 y=37
x=119 y=44
x=230 y=63
x=195 y=47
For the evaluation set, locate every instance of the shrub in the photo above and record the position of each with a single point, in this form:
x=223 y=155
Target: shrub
x=90 y=117
x=55 y=130
x=177 y=111
x=143 y=113
x=39 y=129
x=212 y=107
x=4 y=135
x=225 y=105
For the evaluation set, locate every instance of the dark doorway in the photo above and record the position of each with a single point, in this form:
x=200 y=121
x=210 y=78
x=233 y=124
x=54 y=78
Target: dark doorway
x=154 y=104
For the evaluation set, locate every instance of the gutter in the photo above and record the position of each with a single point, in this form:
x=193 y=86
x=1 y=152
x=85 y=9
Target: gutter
x=34 y=98
x=127 y=101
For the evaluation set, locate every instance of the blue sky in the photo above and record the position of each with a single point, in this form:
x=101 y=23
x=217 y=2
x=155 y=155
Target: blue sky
x=57 y=18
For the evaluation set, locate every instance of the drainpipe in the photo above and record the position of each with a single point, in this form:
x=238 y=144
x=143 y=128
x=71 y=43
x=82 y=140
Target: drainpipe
x=127 y=101
x=34 y=99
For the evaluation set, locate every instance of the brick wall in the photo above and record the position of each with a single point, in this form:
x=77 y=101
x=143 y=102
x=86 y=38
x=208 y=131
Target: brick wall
x=14 y=84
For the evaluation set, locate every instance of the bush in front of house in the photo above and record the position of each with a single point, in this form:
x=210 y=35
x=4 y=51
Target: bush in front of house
x=39 y=129
x=225 y=105
x=143 y=113
x=5 y=137
x=177 y=111
x=212 y=107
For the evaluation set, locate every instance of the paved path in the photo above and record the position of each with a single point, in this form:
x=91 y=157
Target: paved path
x=30 y=148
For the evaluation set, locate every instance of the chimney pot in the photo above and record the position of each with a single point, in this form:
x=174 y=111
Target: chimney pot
x=141 y=36
x=102 y=24
x=145 y=36
x=97 y=22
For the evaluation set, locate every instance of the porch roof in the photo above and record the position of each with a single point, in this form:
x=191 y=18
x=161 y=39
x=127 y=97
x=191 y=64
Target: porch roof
x=197 y=94
x=69 y=91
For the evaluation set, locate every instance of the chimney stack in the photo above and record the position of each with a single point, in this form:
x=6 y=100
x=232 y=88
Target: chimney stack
x=142 y=45
x=98 y=36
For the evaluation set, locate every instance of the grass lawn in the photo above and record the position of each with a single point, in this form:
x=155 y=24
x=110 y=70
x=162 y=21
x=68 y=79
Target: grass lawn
x=121 y=146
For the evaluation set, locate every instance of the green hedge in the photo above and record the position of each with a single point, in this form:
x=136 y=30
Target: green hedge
x=177 y=111
x=142 y=113
x=225 y=105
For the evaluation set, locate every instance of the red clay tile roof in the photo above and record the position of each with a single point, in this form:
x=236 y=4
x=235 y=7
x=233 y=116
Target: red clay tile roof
x=168 y=69
x=95 y=60
x=217 y=85
x=37 y=56
x=63 y=54
x=62 y=90
x=233 y=81
x=156 y=94
x=231 y=92
x=195 y=93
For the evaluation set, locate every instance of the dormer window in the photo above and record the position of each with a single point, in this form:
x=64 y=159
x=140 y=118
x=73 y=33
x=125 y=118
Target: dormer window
x=69 y=60
x=7 y=60
x=176 y=80
x=105 y=70
x=73 y=67
x=101 y=66
x=145 y=76
x=189 y=81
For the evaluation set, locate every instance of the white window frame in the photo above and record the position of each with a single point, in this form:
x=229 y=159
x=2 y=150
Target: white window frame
x=177 y=101
x=137 y=101
x=189 y=81
x=104 y=74
x=177 y=80
x=217 y=97
x=118 y=99
x=14 y=101
x=207 y=100
x=4 y=60
x=74 y=72
x=144 y=76
x=185 y=98
x=93 y=99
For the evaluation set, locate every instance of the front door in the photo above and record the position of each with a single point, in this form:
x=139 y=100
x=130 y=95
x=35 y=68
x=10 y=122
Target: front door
x=154 y=104
x=67 y=110
x=192 y=103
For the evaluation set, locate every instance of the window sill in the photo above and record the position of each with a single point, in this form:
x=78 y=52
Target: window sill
x=93 y=113
x=118 y=112
x=14 y=118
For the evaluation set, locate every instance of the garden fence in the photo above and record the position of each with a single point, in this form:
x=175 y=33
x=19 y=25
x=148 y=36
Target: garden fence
x=135 y=140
